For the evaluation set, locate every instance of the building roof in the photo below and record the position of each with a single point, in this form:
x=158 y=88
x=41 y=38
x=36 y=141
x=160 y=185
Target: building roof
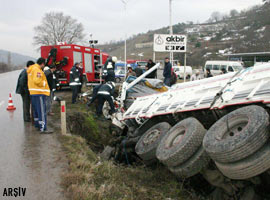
x=249 y=54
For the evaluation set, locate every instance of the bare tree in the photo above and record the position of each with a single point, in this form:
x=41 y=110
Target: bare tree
x=216 y=16
x=57 y=27
x=233 y=13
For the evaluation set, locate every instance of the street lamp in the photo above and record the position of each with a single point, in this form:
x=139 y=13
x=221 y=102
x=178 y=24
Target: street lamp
x=171 y=28
x=125 y=47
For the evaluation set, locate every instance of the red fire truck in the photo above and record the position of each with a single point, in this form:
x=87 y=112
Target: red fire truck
x=66 y=55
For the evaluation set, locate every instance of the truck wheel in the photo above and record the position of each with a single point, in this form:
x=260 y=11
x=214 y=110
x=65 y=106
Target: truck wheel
x=193 y=165
x=249 y=167
x=147 y=145
x=237 y=135
x=181 y=142
x=117 y=80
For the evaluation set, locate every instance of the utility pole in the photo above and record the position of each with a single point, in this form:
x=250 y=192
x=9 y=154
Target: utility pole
x=171 y=28
x=125 y=47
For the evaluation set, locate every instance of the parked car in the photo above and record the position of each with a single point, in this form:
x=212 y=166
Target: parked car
x=179 y=71
x=217 y=65
x=119 y=75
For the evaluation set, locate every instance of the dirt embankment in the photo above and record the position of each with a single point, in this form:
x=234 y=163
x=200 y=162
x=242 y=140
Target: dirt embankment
x=90 y=178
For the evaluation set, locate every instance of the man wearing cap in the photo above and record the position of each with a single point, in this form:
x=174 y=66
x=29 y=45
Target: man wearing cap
x=74 y=81
x=167 y=72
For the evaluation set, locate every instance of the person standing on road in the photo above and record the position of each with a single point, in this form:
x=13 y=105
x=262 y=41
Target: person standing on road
x=167 y=72
x=74 y=81
x=51 y=79
x=22 y=89
x=196 y=76
x=149 y=65
x=81 y=77
x=39 y=89
x=105 y=93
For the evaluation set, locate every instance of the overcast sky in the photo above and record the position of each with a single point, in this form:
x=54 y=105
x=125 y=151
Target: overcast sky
x=105 y=19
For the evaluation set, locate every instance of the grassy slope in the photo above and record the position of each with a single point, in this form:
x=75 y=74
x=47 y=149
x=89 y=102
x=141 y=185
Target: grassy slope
x=89 y=178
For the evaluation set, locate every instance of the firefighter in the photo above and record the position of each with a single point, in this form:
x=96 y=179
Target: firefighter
x=81 y=77
x=111 y=60
x=105 y=93
x=39 y=89
x=74 y=81
x=108 y=73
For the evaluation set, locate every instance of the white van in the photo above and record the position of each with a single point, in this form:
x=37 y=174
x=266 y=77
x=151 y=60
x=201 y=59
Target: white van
x=179 y=71
x=215 y=66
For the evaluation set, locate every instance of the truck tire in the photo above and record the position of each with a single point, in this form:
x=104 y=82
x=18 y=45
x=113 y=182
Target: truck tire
x=249 y=167
x=237 y=135
x=148 y=143
x=181 y=142
x=193 y=165
x=117 y=80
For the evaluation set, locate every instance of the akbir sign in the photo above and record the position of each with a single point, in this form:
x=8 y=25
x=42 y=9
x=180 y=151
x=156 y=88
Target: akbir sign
x=170 y=43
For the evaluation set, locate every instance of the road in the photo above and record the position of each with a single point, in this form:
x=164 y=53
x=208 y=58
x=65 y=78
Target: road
x=27 y=158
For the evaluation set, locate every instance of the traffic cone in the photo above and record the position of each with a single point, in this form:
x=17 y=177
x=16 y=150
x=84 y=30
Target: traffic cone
x=10 y=104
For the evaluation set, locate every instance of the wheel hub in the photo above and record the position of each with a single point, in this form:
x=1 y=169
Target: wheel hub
x=151 y=137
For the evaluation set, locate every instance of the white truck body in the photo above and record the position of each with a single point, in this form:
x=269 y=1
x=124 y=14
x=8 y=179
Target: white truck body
x=251 y=85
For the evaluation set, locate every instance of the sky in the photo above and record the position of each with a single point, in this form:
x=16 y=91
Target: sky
x=106 y=20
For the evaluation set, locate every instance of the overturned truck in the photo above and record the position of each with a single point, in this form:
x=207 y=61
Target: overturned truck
x=218 y=127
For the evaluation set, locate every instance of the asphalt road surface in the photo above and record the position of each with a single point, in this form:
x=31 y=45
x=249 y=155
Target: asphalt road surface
x=27 y=158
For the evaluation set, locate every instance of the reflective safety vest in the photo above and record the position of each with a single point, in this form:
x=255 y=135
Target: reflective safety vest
x=37 y=81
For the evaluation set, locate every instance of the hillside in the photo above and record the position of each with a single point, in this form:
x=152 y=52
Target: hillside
x=248 y=31
x=12 y=61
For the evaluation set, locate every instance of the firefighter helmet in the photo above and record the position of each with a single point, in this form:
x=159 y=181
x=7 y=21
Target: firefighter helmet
x=114 y=59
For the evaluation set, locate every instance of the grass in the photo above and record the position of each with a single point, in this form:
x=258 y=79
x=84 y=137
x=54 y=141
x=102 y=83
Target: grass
x=90 y=178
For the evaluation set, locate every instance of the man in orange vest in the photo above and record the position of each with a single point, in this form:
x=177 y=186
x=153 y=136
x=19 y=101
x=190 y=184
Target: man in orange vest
x=39 y=89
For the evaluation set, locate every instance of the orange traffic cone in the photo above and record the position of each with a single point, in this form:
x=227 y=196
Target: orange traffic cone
x=10 y=104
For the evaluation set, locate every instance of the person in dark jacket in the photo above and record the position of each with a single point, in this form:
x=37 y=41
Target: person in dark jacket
x=167 y=72
x=138 y=70
x=105 y=93
x=111 y=60
x=74 y=81
x=108 y=73
x=208 y=73
x=51 y=79
x=81 y=77
x=149 y=65
x=22 y=89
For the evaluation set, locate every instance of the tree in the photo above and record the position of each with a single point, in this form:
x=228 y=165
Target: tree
x=233 y=13
x=216 y=16
x=57 y=27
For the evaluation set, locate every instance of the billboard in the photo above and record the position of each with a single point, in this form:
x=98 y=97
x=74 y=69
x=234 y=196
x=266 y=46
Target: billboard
x=170 y=43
